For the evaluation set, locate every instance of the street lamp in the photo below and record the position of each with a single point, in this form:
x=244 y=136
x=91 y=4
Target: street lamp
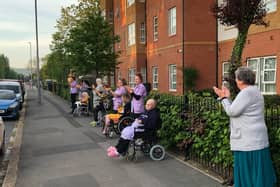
x=30 y=51
x=37 y=55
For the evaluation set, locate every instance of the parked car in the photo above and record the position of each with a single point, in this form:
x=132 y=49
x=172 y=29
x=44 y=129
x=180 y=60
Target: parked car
x=14 y=86
x=2 y=137
x=21 y=85
x=9 y=104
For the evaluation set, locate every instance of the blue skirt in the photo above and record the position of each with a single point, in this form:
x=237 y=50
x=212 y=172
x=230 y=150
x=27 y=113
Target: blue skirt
x=253 y=169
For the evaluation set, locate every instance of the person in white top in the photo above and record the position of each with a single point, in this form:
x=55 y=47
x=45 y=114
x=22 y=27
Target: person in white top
x=248 y=133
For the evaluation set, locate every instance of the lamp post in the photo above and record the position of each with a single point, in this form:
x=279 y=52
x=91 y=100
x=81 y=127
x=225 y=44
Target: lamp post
x=37 y=55
x=30 y=51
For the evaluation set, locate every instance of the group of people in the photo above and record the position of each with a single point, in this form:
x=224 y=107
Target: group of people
x=248 y=132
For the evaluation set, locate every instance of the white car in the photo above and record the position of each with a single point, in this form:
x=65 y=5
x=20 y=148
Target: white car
x=15 y=86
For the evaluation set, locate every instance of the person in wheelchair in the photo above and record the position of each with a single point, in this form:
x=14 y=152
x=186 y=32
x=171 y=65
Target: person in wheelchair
x=82 y=103
x=148 y=121
x=123 y=111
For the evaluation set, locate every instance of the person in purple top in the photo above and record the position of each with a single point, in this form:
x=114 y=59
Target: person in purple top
x=118 y=93
x=138 y=94
x=73 y=92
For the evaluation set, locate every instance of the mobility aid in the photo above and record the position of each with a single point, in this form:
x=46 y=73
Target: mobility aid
x=80 y=109
x=82 y=106
x=146 y=142
x=117 y=126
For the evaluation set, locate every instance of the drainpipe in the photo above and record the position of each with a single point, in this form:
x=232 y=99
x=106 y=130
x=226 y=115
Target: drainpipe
x=217 y=50
x=183 y=46
x=113 y=22
x=145 y=25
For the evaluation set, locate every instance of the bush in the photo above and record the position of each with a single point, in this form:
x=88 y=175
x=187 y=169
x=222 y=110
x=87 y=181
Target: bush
x=271 y=100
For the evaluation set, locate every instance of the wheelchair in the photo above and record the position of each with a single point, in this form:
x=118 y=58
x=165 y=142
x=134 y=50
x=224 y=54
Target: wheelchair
x=146 y=142
x=117 y=127
x=81 y=108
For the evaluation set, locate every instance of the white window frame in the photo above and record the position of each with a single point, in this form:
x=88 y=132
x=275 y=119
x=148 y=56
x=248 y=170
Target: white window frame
x=143 y=33
x=130 y=2
x=155 y=78
x=270 y=5
x=144 y=74
x=131 y=34
x=131 y=77
x=172 y=21
x=226 y=69
x=119 y=74
x=260 y=69
x=172 y=73
x=155 y=26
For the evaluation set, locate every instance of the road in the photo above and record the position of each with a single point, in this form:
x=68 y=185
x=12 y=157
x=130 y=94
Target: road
x=59 y=150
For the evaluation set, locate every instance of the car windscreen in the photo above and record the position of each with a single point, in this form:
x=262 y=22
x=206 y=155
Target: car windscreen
x=7 y=96
x=10 y=87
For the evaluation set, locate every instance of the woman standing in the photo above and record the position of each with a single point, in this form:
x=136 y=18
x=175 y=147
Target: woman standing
x=97 y=106
x=118 y=93
x=73 y=91
x=138 y=94
x=248 y=138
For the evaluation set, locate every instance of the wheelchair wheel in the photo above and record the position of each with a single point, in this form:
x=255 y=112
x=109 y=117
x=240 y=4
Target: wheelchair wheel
x=157 y=152
x=124 y=122
x=145 y=148
x=76 y=112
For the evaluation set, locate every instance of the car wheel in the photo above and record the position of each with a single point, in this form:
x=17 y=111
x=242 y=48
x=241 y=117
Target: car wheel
x=20 y=106
x=17 y=116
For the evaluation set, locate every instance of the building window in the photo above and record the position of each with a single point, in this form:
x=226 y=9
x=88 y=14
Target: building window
x=226 y=66
x=172 y=77
x=119 y=74
x=270 y=5
x=144 y=74
x=131 y=77
x=130 y=2
x=142 y=33
x=131 y=34
x=155 y=77
x=172 y=21
x=265 y=69
x=155 y=28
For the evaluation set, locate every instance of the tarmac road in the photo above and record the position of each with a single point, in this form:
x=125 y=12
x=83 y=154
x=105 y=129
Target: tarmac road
x=61 y=151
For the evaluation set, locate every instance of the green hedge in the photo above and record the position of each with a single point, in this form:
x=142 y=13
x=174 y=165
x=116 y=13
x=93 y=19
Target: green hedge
x=208 y=129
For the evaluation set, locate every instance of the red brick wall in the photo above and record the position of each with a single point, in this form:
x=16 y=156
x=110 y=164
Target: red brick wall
x=164 y=52
x=257 y=45
x=200 y=41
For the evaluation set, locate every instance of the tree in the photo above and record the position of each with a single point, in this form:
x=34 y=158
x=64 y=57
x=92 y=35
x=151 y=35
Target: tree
x=84 y=41
x=4 y=66
x=90 y=46
x=241 y=14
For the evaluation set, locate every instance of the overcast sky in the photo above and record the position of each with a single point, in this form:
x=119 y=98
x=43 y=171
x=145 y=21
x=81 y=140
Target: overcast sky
x=17 y=27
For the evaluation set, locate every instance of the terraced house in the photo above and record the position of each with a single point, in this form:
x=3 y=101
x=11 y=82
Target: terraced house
x=261 y=52
x=159 y=38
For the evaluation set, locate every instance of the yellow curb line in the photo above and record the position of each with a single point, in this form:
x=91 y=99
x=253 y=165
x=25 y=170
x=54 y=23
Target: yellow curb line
x=12 y=170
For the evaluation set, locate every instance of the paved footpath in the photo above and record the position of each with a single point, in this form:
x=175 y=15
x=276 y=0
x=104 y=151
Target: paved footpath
x=61 y=151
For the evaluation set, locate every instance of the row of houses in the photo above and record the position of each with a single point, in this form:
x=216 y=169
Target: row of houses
x=161 y=38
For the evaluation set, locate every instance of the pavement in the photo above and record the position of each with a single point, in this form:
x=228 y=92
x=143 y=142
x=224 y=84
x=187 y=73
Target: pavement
x=54 y=149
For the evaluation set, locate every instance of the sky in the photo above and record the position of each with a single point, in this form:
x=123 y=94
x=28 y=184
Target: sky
x=17 y=28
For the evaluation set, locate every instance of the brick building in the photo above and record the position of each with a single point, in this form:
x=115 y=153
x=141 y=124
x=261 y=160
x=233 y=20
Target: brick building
x=160 y=38
x=261 y=52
